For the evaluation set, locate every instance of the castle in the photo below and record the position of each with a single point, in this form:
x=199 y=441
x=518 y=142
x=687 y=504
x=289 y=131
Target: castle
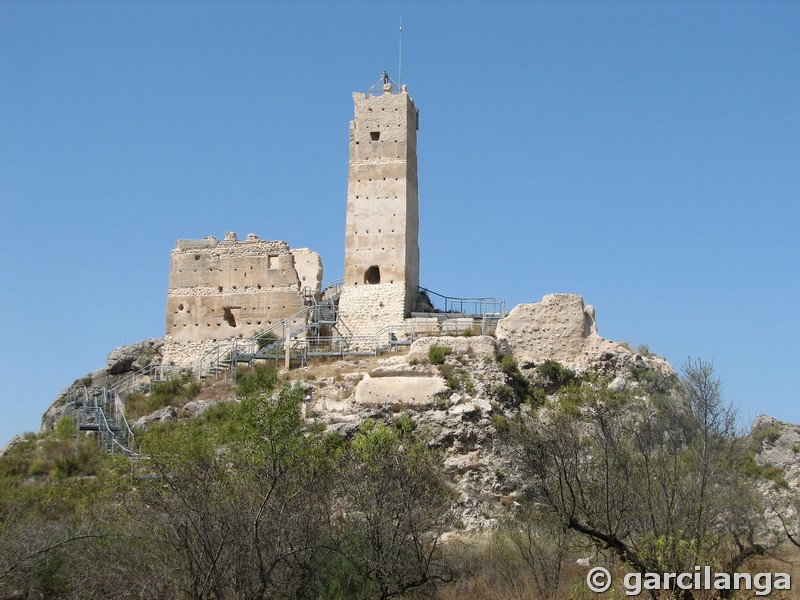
x=238 y=289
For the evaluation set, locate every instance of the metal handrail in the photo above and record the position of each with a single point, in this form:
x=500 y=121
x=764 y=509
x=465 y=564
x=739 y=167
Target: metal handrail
x=487 y=306
x=111 y=437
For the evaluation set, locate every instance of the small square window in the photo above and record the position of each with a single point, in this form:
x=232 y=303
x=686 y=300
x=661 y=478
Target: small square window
x=375 y=135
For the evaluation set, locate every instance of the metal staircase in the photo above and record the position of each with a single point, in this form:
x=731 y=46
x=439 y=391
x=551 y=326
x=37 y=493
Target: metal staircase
x=315 y=328
x=100 y=410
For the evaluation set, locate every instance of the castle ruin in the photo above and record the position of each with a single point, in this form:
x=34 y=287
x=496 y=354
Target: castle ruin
x=220 y=290
x=233 y=289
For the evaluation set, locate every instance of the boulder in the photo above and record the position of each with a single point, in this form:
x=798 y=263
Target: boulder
x=162 y=415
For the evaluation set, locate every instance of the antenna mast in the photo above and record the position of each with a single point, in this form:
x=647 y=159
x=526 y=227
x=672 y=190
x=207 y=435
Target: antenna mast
x=400 y=66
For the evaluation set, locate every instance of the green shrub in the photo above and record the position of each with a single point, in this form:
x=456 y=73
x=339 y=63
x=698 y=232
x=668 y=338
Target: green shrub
x=651 y=379
x=504 y=394
x=452 y=380
x=405 y=426
x=437 y=354
x=572 y=399
x=136 y=405
x=176 y=391
x=537 y=398
x=507 y=363
x=18 y=458
x=58 y=455
x=260 y=379
x=519 y=386
x=554 y=371
x=65 y=428
x=644 y=350
x=756 y=471
x=769 y=434
x=500 y=422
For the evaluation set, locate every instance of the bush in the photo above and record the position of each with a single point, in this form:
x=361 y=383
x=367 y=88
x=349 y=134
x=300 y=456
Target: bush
x=773 y=474
x=437 y=354
x=260 y=379
x=651 y=379
x=65 y=428
x=405 y=426
x=769 y=434
x=558 y=374
x=518 y=387
x=508 y=363
x=452 y=380
x=173 y=392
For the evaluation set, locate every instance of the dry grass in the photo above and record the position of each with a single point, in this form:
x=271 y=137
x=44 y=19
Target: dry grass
x=217 y=389
x=490 y=570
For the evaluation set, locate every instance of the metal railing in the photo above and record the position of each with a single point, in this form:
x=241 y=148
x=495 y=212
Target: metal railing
x=103 y=413
x=470 y=307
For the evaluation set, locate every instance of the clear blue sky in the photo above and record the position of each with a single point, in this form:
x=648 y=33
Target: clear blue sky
x=643 y=154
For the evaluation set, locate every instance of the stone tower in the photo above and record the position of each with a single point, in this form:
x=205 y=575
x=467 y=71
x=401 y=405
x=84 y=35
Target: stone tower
x=381 y=268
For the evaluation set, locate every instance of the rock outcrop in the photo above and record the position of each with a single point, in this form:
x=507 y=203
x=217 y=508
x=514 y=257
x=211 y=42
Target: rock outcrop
x=778 y=446
x=399 y=392
x=134 y=357
x=120 y=363
x=454 y=415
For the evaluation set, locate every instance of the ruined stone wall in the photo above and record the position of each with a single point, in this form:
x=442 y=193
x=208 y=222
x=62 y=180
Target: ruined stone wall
x=219 y=290
x=382 y=228
x=560 y=327
x=186 y=354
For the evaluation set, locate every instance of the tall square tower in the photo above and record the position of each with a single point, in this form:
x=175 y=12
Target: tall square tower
x=381 y=269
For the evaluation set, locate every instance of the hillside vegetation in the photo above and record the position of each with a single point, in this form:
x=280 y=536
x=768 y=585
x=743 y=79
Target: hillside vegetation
x=263 y=497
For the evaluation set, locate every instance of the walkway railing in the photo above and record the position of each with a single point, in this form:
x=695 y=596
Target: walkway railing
x=484 y=308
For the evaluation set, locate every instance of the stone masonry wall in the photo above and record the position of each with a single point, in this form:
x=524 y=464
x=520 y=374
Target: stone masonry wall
x=220 y=290
x=365 y=309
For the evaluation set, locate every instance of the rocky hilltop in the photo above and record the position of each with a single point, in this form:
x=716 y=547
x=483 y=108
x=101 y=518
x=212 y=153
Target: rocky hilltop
x=462 y=404
x=536 y=452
